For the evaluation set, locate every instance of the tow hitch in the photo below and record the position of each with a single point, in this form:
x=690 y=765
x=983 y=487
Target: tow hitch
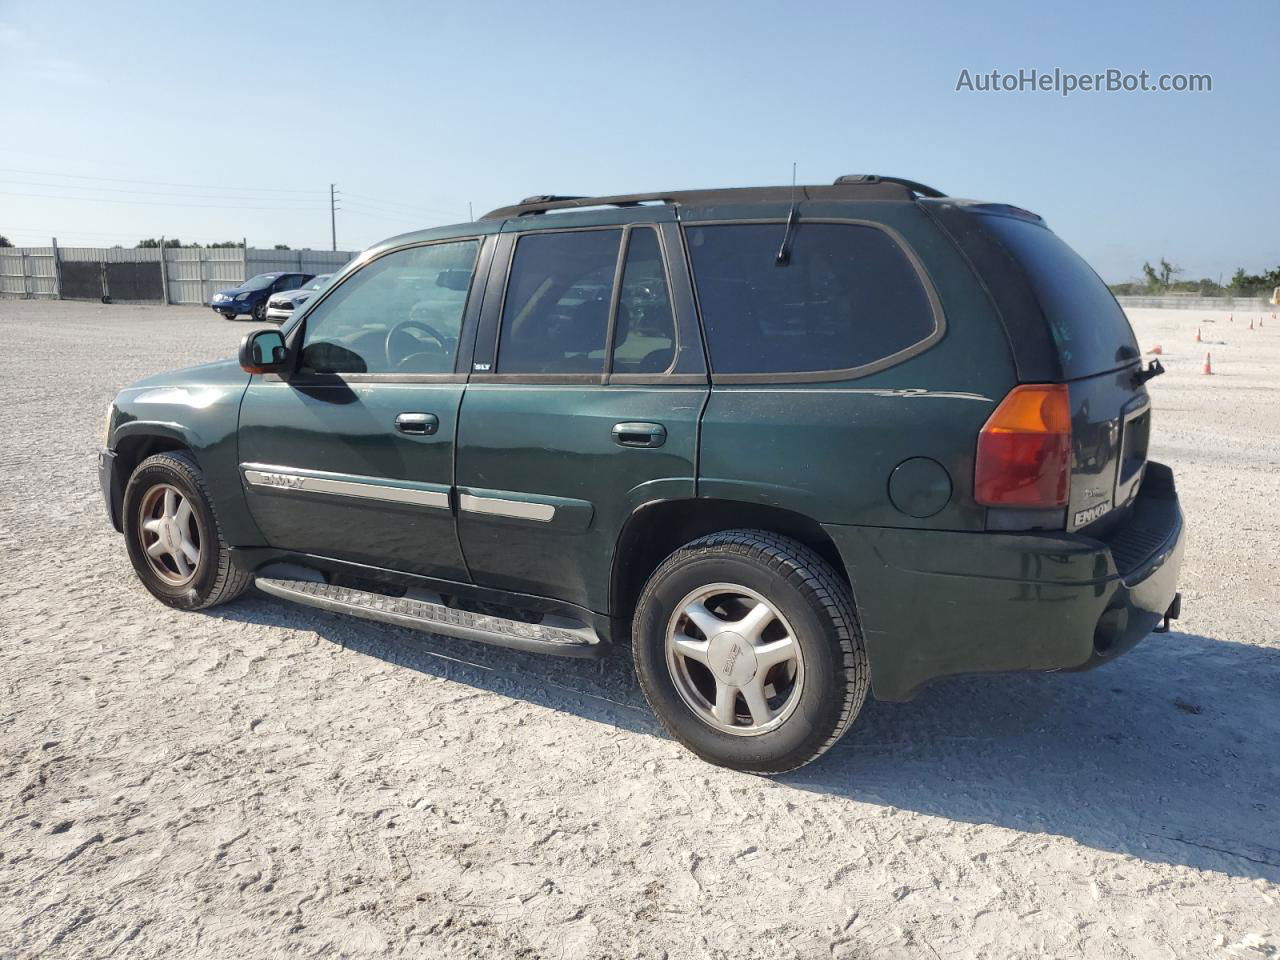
x=1175 y=608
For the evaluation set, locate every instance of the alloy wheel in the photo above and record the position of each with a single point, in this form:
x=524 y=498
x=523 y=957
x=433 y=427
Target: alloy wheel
x=734 y=659
x=171 y=534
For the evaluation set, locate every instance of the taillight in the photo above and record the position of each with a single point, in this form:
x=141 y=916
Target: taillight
x=1024 y=450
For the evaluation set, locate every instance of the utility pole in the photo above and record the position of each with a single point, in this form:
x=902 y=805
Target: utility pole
x=470 y=214
x=333 y=218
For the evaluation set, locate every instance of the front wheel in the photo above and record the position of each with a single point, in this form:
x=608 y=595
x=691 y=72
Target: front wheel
x=748 y=649
x=172 y=535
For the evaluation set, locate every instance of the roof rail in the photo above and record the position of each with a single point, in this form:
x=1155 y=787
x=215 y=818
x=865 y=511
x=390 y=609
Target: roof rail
x=880 y=187
x=849 y=179
x=543 y=203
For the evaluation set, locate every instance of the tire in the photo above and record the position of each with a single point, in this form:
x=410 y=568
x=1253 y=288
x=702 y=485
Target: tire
x=187 y=584
x=815 y=697
x=231 y=316
x=259 y=313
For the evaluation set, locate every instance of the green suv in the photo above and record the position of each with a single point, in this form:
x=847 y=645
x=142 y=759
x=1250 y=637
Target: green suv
x=793 y=444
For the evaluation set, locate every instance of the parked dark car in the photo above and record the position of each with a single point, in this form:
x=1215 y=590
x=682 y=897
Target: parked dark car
x=792 y=444
x=251 y=296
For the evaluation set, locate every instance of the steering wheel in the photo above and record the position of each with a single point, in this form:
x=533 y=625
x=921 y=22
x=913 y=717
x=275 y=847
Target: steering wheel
x=402 y=328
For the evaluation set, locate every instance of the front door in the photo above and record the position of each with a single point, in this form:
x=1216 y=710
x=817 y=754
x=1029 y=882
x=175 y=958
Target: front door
x=586 y=410
x=351 y=456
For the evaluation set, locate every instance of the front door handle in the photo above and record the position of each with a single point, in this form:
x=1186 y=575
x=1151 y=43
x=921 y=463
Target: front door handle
x=418 y=424
x=634 y=434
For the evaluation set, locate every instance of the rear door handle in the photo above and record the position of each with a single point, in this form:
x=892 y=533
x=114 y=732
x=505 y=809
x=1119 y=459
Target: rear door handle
x=418 y=424
x=635 y=434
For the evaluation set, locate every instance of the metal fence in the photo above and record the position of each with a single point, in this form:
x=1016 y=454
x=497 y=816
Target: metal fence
x=1242 y=304
x=28 y=272
x=189 y=275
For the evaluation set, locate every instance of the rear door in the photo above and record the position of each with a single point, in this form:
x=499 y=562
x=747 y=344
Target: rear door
x=1099 y=357
x=351 y=456
x=583 y=403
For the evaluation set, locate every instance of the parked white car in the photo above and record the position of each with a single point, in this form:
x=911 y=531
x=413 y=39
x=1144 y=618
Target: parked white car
x=280 y=306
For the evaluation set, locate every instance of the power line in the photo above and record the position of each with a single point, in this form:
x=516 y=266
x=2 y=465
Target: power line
x=144 y=203
x=156 y=183
x=377 y=215
x=154 y=193
x=403 y=203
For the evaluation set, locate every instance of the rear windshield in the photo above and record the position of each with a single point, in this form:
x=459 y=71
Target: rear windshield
x=1090 y=329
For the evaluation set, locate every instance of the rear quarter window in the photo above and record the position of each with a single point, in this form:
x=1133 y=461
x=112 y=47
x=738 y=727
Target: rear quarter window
x=1089 y=327
x=849 y=297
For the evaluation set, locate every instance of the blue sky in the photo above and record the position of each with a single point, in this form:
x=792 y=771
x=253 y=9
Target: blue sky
x=213 y=121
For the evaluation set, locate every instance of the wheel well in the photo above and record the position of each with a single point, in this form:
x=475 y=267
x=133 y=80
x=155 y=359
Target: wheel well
x=131 y=451
x=654 y=532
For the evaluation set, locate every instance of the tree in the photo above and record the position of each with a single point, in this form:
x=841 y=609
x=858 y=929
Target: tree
x=151 y=243
x=281 y=246
x=225 y=245
x=4 y=241
x=1162 y=279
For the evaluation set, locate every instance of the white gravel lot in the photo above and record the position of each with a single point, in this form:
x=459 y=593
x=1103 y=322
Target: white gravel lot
x=265 y=780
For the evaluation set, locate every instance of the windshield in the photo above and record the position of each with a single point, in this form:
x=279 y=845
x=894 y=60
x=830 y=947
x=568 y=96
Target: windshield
x=318 y=282
x=1089 y=327
x=260 y=282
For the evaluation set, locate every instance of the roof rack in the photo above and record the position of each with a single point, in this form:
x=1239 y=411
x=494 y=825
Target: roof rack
x=545 y=202
x=896 y=187
x=850 y=179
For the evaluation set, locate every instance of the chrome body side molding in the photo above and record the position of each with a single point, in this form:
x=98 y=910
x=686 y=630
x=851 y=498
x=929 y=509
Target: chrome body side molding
x=291 y=479
x=501 y=507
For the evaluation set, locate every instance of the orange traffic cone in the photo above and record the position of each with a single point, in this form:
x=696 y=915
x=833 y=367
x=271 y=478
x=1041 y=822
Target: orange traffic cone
x=1208 y=366
x=1197 y=334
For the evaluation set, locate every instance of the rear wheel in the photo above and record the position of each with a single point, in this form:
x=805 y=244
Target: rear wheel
x=748 y=649
x=260 y=312
x=172 y=535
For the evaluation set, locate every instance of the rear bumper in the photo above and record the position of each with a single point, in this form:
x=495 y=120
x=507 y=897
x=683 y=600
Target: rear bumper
x=936 y=603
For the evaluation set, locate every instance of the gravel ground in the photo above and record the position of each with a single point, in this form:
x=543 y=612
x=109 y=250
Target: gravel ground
x=266 y=780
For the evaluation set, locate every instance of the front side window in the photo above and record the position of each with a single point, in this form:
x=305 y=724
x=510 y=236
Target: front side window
x=401 y=313
x=848 y=297
x=555 y=317
x=260 y=282
x=644 y=331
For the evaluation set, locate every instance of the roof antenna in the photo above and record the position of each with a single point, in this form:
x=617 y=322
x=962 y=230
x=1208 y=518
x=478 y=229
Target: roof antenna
x=784 y=252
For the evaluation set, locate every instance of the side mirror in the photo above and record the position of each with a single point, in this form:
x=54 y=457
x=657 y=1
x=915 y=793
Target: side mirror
x=263 y=352
x=454 y=280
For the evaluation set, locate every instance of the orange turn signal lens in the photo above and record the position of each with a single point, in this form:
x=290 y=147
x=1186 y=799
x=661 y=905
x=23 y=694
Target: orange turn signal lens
x=1024 y=450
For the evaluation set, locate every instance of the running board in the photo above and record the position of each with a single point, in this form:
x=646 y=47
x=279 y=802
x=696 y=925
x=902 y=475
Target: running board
x=554 y=635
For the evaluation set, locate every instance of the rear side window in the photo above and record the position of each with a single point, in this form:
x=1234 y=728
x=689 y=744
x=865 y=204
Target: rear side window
x=1088 y=326
x=555 y=318
x=848 y=297
x=644 y=337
